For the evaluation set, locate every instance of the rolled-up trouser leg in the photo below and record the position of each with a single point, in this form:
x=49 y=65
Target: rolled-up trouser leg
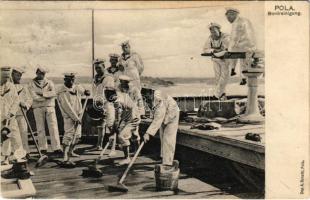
x=125 y=135
x=70 y=130
x=169 y=141
x=23 y=129
x=101 y=133
x=53 y=128
x=136 y=134
x=6 y=147
x=161 y=133
x=39 y=115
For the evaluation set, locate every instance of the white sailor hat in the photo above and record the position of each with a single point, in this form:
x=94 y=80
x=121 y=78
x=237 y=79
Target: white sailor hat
x=19 y=69
x=124 y=78
x=213 y=24
x=98 y=60
x=110 y=88
x=69 y=74
x=232 y=9
x=6 y=71
x=126 y=42
x=114 y=55
x=42 y=69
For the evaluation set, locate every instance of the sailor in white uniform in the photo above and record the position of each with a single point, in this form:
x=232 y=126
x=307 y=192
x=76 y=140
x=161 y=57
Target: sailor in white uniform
x=9 y=105
x=166 y=119
x=43 y=93
x=70 y=100
x=242 y=38
x=217 y=44
x=25 y=100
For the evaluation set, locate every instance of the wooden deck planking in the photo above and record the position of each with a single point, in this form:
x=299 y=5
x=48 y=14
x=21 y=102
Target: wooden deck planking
x=51 y=181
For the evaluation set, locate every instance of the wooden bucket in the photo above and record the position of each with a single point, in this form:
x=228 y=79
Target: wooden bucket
x=167 y=179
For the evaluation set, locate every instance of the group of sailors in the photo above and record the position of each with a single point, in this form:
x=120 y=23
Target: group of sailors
x=241 y=39
x=116 y=95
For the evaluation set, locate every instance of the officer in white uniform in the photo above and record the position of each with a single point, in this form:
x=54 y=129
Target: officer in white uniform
x=217 y=44
x=131 y=64
x=242 y=37
x=43 y=94
x=25 y=100
x=9 y=103
x=166 y=118
x=70 y=100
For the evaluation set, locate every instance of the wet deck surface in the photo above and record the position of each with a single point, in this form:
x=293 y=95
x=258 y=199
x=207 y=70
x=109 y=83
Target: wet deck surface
x=52 y=181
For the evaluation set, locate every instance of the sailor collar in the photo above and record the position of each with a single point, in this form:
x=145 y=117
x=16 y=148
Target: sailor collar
x=127 y=56
x=6 y=89
x=99 y=79
x=40 y=84
x=72 y=91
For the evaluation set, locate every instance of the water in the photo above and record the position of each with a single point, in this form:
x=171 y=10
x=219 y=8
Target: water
x=197 y=89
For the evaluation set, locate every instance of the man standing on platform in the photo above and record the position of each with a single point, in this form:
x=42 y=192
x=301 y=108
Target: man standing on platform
x=242 y=38
x=25 y=100
x=131 y=64
x=43 y=94
x=217 y=44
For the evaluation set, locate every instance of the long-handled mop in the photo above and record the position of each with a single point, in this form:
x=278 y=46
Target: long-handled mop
x=68 y=164
x=93 y=170
x=120 y=186
x=43 y=158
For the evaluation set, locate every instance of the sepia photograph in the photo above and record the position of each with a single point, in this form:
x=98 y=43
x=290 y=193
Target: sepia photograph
x=132 y=102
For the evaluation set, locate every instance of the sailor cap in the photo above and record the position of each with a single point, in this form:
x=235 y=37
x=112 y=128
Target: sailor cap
x=126 y=42
x=19 y=69
x=124 y=78
x=114 y=55
x=69 y=74
x=213 y=24
x=6 y=71
x=42 y=69
x=99 y=60
x=232 y=9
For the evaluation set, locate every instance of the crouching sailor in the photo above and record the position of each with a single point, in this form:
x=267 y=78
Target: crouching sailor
x=166 y=119
x=133 y=92
x=127 y=120
x=69 y=98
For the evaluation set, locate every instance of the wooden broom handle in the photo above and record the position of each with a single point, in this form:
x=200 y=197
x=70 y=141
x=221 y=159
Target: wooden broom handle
x=131 y=163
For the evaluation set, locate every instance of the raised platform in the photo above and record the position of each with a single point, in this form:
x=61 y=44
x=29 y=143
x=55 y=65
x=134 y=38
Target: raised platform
x=228 y=142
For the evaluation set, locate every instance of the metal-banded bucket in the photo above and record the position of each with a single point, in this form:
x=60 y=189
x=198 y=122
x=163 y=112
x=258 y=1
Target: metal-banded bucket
x=167 y=178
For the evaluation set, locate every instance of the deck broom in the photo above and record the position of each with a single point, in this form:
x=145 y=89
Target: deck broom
x=120 y=186
x=43 y=158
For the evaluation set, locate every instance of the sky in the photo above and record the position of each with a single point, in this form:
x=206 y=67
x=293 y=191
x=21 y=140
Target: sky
x=169 y=41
